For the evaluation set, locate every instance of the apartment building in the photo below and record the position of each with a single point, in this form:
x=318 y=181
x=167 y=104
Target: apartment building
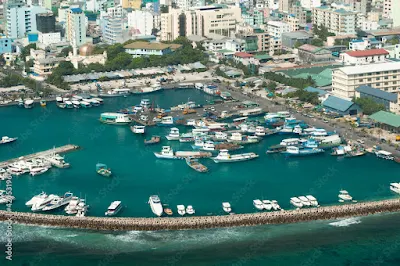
x=300 y=13
x=387 y=8
x=383 y=76
x=364 y=57
x=21 y=19
x=293 y=21
x=337 y=21
x=75 y=27
x=310 y=3
x=112 y=29
x=142 y=22
x=44 y=67
x=276 y=28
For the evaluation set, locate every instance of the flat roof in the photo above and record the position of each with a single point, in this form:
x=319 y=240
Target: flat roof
x=243 y=55
x=370 y=68
x=149 y=45
x=386 y=118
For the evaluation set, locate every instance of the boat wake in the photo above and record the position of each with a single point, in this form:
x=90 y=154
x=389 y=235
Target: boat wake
x=346 y=222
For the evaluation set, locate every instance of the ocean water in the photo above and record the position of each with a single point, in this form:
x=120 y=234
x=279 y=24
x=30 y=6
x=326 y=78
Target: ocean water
x=138 y=174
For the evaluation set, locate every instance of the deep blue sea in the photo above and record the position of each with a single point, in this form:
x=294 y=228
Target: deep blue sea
x=138 y=174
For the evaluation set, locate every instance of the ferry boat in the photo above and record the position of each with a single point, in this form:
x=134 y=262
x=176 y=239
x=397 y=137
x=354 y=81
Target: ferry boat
x=344 y=196
x=115 y=93
x=173 y=134
x=103 y=170
x=384 y=155
x=313 y=201
x=267 y=205
x=181 y=209
x=295 y=201
x=258 y=204
x=153 y=140
x=43 y=103
x=5 y=140
x=114 y=208
x=36 y=199
x=395 y=187
x=190 y=210
x=155 y=205
x=226 y=206
x=166 y=121
x=225 y=157
x=58 y=202
x=38 y=171
x=195 y=165
x=39 y=204
x=138 y=129
x=115 y=118
x=300 y=151
x=28 y=103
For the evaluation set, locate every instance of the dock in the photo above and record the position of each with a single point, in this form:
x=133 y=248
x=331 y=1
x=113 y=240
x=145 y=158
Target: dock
x=59 y=150
x=203 y=222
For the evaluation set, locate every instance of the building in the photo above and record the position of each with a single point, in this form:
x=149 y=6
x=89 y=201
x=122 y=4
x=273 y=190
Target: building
x=386 y=121
x=387 y=9
x=340 y=106
x=284 y=5
x=44 y=67
x=322 y=94
x=289 y=39
x=337 y=21
x=112 y=30
x=396 y=13
x=310 y=54
x=244 y=58
x=383 y=76
x=142 y=22
x=293 y=21
x=364 y=44
x=308 y=4
x=388 y=99
x=21 y=20
x=49 y=38
x=138 y=49
x=364 y=57
x=75 y=31
x=134 y=4
x=299 y=12
x=277 y=28
x=6 y=45
x=46 y=22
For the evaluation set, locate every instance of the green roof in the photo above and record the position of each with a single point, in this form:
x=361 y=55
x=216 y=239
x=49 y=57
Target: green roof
x=386 y=118
x=262 y=56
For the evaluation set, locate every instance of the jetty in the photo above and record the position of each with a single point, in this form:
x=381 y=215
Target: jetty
x=203 y=222
x=59 y=150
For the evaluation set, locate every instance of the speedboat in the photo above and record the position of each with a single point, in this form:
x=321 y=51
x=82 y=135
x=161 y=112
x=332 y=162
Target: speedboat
x=313 y=201
x=395 y=187
x=190 y=210
x=36 y=199
x=181 y=209
x=58 y=202
x=275 y=205
x=296 y=202
x=41 y=203
x=113 y=209
x=103 y=170
x=344 y=196
x=225 y=157
x=226 y=206
x=155 y=205
x=258 y=204
x=28 y=103
x=5 y=140
x=38 y=171
x=72 y=206
x=267 y=204
x=173 y=134
x=138 y=129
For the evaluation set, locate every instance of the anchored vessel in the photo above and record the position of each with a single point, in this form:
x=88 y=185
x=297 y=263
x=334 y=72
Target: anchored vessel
x=384 y=155
x=155 y=205
x=153 y=140
x=299 y=151
x=395 y=187
x=5 y=140
x=113 y=209
x=58 y=202
x=138 y=129
x=168 y=153
x=115 y=119
x=35 y=199
x=181 y=210
x=226 y=206
x=103 y=170
x=225 y=157
x=195 y=165
x=173 y=134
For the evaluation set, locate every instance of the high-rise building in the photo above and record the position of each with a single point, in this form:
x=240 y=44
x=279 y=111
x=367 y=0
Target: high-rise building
x=21 y=19
x=396 y=14
x=46 y=22
x=387 y=8
x=135 y=4
x=75 y=31
x=112 y=30
x=142 y=22
x=337 y=21
x=284 y=5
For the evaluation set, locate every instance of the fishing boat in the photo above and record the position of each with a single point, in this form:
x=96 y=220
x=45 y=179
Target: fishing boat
x=114 y=208
x=115 y=118
x=58 y=202
x=155 y=205
x=226 y=206
x=166 y=153
x=276 y=149
x=341 y=150
x=239 y=139
x=186 y=139
x=103 y=170
x=344 y=196
x=190 y=210
x=181 y=209
x=43 y=103
x=300 y=151
x=5 y=140
x=28 y=103
x=152 y=140
x=295 y=201
x=355 y=153
x=258 y=204
x=36 y=199
x=225 y=157
x=395 y=187
x=211 y=146
x=384 y=155
x=220 y=136
x=195 y=165
x=173 y=134
x=138 y=129
x=260 y=131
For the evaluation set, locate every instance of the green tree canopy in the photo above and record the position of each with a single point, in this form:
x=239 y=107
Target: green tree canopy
x=369 y=106
x=26 y=51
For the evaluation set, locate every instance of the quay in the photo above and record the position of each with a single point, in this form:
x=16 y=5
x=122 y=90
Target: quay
x=59 y=150
x=203 y=222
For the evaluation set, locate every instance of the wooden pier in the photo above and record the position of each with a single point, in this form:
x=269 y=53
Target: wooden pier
x=59 y=150
x=202 y=222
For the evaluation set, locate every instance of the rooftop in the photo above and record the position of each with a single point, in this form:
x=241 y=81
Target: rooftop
x=392 y=97
x=297 y=35
x=243 y=55
x=313 y=49
x=365 y=53
x=151 y=46
x=337 y=103
x=319 y=91
x=361 y=69
x=386 y=118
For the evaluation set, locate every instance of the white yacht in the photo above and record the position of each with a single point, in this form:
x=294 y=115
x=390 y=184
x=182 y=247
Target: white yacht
x=344 y=196
x=384 y=155
x=313 y=200
x=225 y=157
x=226 y=206
x=155 y=205
x=181 y=209
x=191 y=122
x=114 y=208
x=38 y=171
x=275 y=205
x=115 y=118
x=395 y=187
x=167 y=121
x=72 y=206
x=5 y=140
x=58 y=202
x=190 y=210
x=82 y=209
x=166 y=153
x=41 y=203
x=28 y=103
x=173 y=134
x=35 y=199
x=296 y=202
x=5 y=198
x=297 y=129
x=138 y=129
x=258 y=204
x=267 y=204
x=57 y=160
x=304 y=201
x=260 y=131
x=145 y=103
x=220 y=136
x=290 y=142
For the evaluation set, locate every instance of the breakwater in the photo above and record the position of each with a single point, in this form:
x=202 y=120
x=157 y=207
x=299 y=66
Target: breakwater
x=202 y=222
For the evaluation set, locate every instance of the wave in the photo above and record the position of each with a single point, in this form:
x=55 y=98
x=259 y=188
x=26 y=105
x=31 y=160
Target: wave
x=346 y=222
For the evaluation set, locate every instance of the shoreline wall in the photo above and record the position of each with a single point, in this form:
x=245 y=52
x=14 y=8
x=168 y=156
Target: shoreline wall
x=203 y=222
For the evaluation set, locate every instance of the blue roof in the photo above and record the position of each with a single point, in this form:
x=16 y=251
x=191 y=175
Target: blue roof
x=337 y=103
x=392 y=97
x=312 y=89
x=76 y=10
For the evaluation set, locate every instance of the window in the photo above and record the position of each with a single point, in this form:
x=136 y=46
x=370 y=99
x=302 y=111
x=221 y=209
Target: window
x=360 y=80
x=378 y=79
x=369 y=79
x=394 y=77
x=377 y=84
x=386 y=83
x=394 y=82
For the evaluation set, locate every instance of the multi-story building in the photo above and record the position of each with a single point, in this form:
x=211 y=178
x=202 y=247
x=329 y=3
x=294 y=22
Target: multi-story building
x=75 y=27
x=310 y=3
x=142 y=22
x=134 y=4
x=337 y=21
x=387 y=8
x=46 y=22
x=138 y=49
x=112 y=30
x=49 y=38
x=364 y=57
x=284 y=5
x=276 y=28
x=364 y=44
x=44 y=67
x=21 y=19
x=6 y=44
x=300 y=13
x=383 y=76
x=293 y=21
x=396 y=13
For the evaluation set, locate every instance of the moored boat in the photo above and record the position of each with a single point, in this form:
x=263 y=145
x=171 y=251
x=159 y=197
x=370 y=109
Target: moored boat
x=137 y=129
x=395 y=187
x=344 y=196
x=43 y=103
x=300 y=151
x=103 y=170
x=225 y=157
x=181 y=209
x=58 y=202
x=173 y=134
x=384 y=155
x=36 y=199
x=28 y=103
x=5 y=140
x=226 y=206
x=295 y=201
x=115 y=118
x=190 y=210
x=114 y=208
x=152 y=140
x=195 y=165
x=258 y=204
x=155 y=205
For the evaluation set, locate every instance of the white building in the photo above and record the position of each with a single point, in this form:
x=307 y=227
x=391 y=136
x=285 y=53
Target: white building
x=49 y=38
x=142 y=22
x=387 y=8
x=310 y=3
x=22 y=20
x=276 y=28
x=112 y=30
x=369 y=25
x=337 y=21
x=383 y=76
x=396 y=13
x=364 y=57
x=364 y=44
x=75 y=27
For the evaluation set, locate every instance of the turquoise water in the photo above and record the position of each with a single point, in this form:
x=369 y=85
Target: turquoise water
x=139 y=174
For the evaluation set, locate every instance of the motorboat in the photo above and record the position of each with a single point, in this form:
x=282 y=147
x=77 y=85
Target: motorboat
x=226 y=206
x=395 y=187
x=38 y=171
x=301 y=151
x=57 y=161
x=344 y=196
x=28 y=103
x=35 y=199
x=114 y=208
x=258 y=204
x=58 y=202
x=173 y=134
x=103 y=170
x=267 y=205
x=195 y=165
x=41 y=203
x=220 y=136
x=285 y=130
x=5 y=140
x=82 y=209
x=138 y=129
x=260 y=131
x=305 y=201
x=145 y=103
x=275 y=205
x=69 y=105
x=313 y=201
x=166 y=121
x=181 y=209
x=296 y=202
x=43 y=103
x=384 y=155
x=190 y=210
x=115 y=118
x=72 y=206
x=166 y=153
x=225 y=157
x=152 y=140
x=155 y=205
x=76 y=103
x=290 y=142
x=168 y=211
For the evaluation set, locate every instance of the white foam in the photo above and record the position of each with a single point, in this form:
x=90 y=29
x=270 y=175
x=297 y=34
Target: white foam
x=346 y=222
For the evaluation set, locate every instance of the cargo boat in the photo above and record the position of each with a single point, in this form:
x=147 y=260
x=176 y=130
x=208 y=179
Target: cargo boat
x=195 y=165
x=167 y=153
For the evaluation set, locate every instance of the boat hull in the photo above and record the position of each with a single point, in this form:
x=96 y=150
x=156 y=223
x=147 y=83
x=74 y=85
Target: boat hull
x=233 y=160
x=114 y=123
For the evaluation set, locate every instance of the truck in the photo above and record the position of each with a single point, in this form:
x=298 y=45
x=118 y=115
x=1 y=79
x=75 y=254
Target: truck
x=188 y=111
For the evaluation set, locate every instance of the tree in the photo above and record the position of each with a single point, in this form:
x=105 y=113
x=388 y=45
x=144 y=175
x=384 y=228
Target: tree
x=369 y=106
x=322 y=32
x=297 y=44
x=114 y=49
x=394 y=40
x=164 y=9
x=65 y=52
x=28 y=65
x=272 y=85
x=27 y=50
x=317 y=42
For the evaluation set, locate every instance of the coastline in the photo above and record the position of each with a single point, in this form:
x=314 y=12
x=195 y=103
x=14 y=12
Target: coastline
x=204 y=222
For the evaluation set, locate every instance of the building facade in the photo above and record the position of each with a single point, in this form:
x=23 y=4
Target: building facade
x=44 y=67
x=46 y=22
x=276 y=28
x=112 y=30
x=49 y=38
x=75 y=27
x=142 y=22
x=21 y=20
x=337 y=21
x=364 y=57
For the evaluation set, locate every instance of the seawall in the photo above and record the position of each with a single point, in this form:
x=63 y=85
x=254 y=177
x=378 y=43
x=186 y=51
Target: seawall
x=202 y=222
